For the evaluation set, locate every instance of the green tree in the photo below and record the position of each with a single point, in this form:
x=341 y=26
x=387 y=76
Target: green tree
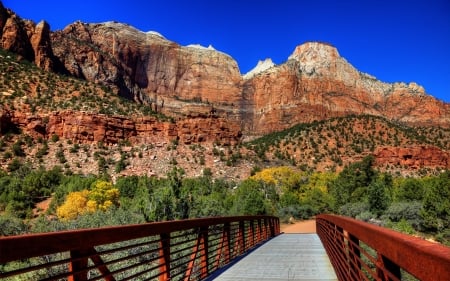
x=127 y=186
x=378 y=197
x=351 y=184
x=249 y=199
x=436 y=203
x=409 y=189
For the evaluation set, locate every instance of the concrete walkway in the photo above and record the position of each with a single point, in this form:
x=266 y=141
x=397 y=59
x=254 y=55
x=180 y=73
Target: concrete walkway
x=285 y=257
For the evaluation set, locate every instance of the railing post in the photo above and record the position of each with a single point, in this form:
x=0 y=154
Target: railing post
x=259 y=235
x=204 y=253
x=225 y=246
x=251 y=234
x=241 y=237
x=354 y=255
x=78 y=265
x=386 y=269
x=272 y=227
x=164 y=253
x=265 y=230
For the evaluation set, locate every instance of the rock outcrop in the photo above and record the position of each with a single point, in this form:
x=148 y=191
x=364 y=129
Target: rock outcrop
x=414 y=157
x=147 y=67
x=88 y=128
x=42 y=47
x=26 y=39
x=315 y=83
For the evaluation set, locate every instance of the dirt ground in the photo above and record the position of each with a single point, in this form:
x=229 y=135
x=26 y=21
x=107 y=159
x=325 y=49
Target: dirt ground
x=308 y=226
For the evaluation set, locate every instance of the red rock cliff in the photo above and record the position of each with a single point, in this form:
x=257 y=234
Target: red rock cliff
x=87 y=128
x=147 y=67
x=314 y=83
x=25 y=38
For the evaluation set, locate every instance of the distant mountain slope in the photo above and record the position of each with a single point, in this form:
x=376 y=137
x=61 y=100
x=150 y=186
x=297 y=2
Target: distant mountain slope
x=315 y=83
x=333 y=143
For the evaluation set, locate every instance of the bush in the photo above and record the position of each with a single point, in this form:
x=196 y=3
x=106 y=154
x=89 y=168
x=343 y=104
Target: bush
x=444 y=237
x=402 y=226
x=17 y=149
x=55 y=138
x=409 y=211
x=354 y=209
x=305 y=212
x=365 y=216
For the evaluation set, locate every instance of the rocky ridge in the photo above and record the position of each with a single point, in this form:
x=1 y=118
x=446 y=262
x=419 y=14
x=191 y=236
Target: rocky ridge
x=206 y=94
x=81 y=127
x=26 y=39
x=315 y=83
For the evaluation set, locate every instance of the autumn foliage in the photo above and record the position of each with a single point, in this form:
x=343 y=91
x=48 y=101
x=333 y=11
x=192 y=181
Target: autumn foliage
x=102 y=196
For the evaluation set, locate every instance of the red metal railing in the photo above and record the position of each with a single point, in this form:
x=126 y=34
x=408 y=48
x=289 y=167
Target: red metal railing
x=174 y=250
x=362 y=251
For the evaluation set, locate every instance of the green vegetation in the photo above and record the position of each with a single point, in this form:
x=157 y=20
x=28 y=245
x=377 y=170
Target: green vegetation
x=324 y=144
x=410 y=205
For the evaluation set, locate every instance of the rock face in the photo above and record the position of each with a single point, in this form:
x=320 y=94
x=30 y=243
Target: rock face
x=413 y=157
x=26 y=39
x=87 y=128
x=42 y=47
x=148 y=68
x=315 y=83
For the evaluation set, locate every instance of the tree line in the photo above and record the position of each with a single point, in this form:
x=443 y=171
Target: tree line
x=409 y=205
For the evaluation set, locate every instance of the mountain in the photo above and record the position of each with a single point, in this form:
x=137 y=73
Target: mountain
x=155 y=103
x=315 y=83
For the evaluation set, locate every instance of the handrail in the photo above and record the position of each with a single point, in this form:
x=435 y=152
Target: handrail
x=363 y=251
x=172 y=250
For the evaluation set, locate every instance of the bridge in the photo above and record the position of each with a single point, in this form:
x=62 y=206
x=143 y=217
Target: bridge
x=225 y=248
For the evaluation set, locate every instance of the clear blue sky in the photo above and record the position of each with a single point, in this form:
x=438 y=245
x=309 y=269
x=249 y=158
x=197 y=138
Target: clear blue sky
x=396 y=41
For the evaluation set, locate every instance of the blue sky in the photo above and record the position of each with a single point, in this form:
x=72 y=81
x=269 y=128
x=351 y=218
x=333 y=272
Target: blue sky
x=395 y=41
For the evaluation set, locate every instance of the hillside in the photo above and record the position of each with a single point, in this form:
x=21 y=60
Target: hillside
x=334 y=143
x=314 y=83
x=108 y=98
x=43 y=115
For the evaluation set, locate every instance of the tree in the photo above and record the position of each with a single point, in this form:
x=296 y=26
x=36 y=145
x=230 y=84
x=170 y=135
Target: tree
x=102 y=196
x=351 y=184
x=436 y=203
x=249 y=199
x=127 y=186
x=378 y=198
x=409 y=189
x=75 y=205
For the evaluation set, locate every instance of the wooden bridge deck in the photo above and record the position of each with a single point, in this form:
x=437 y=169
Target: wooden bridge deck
x=285 y=257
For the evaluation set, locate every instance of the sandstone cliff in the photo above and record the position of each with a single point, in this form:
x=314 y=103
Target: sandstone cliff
x=315 y=82
x=148 y=68
x=27 y=39
x=90 y=128
x=415 y=157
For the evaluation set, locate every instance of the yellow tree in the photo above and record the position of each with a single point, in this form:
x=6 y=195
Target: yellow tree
x=283 y=178
x=74 y=205
x=102 y=196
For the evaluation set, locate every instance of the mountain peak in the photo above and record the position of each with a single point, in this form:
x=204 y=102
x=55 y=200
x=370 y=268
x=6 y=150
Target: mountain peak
x=314 y=51
x=262 y=66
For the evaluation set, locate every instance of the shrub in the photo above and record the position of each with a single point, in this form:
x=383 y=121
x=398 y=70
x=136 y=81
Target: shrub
x=409 y=211
x=55 y=138
x=17 y=149
x=354 y=209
